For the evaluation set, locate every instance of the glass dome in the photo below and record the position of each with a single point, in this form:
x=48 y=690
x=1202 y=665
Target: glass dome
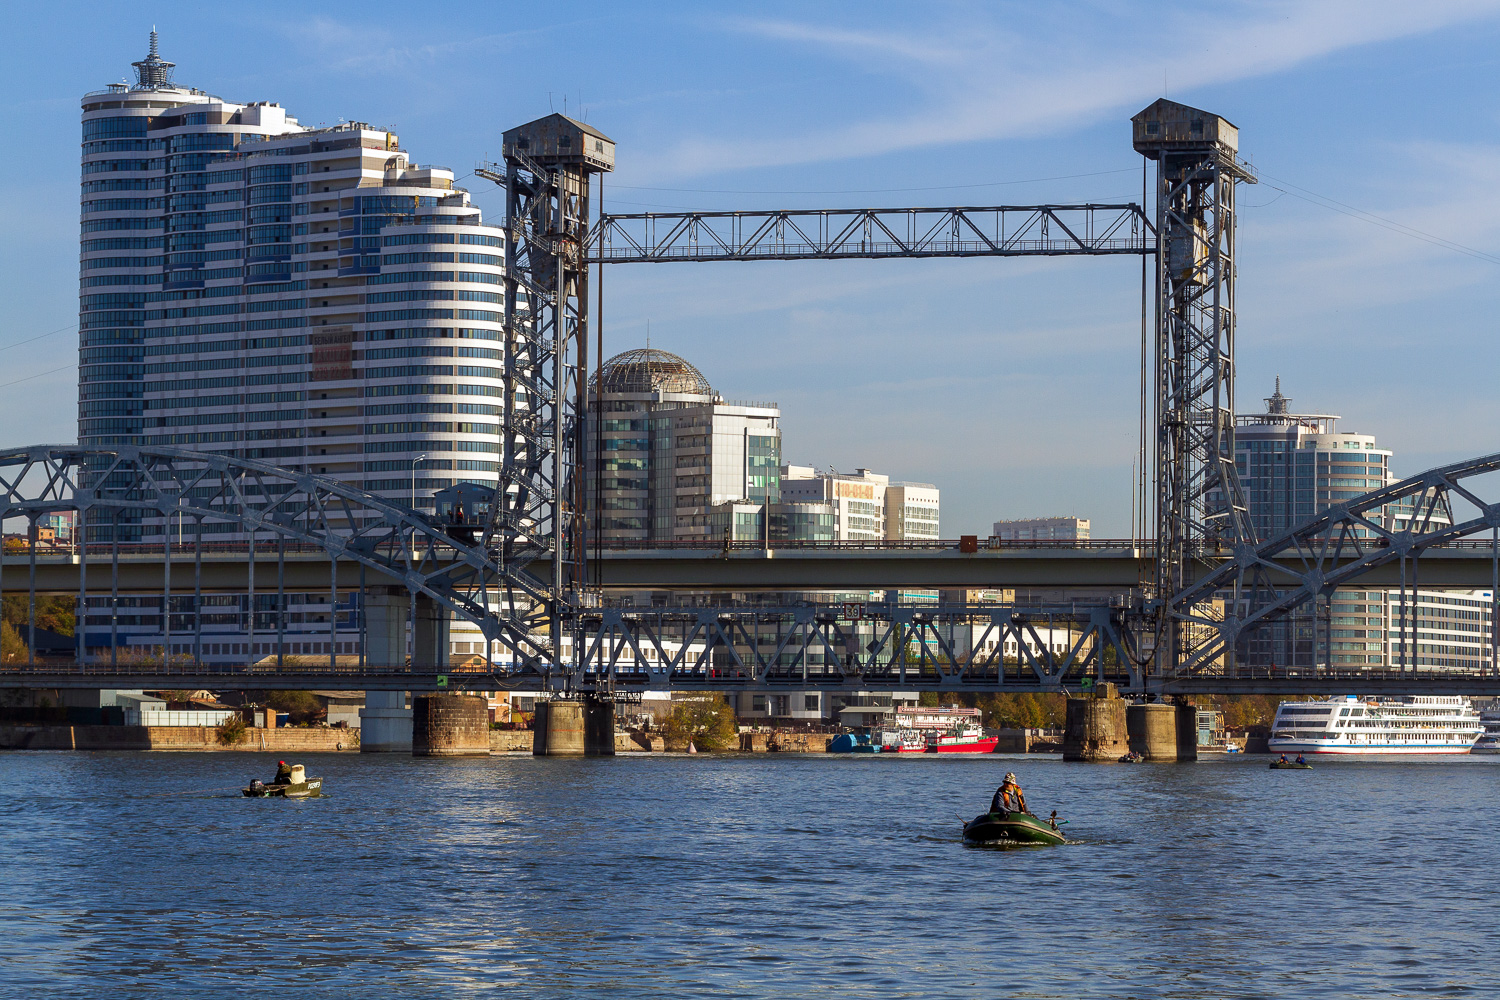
x=647 y=370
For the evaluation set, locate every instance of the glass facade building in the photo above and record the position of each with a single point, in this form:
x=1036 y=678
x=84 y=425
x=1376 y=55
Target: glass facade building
x=669 y=451
x=1293 y=465
x=308 y=297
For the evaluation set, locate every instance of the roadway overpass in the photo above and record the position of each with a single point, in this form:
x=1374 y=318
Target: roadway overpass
x=1100 y=564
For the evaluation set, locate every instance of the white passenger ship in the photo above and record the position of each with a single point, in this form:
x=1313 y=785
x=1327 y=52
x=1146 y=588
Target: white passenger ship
x=1416 y=724
x=1489 y=741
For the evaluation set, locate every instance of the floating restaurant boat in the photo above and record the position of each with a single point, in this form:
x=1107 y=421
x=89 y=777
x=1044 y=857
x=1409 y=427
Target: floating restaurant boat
x=903 y=741
x=300 y=787
x=966 y=737
x=1418 y=724
x=1013 y=828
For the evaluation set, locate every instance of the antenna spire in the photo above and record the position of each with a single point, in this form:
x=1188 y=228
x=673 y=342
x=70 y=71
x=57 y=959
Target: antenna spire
x=153 y=71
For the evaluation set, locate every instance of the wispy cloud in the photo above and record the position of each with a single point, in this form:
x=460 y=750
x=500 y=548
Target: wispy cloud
x=988 y=86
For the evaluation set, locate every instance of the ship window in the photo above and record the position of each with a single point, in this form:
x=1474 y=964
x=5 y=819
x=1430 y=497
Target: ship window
x=1343 y=712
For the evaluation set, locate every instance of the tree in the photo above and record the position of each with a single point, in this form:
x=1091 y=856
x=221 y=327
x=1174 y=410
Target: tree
x=706 y=722
x=12 y=649
x=302 y=706
x=54 y=612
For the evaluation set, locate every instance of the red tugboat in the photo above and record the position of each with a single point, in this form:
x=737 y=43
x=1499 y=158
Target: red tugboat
x=966 y=737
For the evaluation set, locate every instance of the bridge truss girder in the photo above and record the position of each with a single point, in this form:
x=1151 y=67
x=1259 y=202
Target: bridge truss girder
x=1334 y=549
x=844 y=234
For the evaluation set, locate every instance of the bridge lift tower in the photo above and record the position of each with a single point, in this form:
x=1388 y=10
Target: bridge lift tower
x=1200 y=502
x=549 y=164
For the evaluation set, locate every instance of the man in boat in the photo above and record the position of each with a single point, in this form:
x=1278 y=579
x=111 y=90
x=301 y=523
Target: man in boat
x=1283 y=759
x=283 y=773
x=1301 y=759
x=1008 y=797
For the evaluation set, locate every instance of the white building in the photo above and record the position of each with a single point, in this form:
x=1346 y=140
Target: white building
x=310 y=297
x=911 y=511
x=1041 y=529
x=857 y=499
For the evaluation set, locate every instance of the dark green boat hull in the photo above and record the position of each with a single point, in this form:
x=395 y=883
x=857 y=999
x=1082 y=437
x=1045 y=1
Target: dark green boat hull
x=1277 y=765
x=1011 y=828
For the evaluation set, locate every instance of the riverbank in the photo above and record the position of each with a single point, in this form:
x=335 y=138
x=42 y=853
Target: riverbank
x=197 y=738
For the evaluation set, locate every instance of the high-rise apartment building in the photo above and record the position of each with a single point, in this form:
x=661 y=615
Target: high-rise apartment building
x=311 y=297
x=307 y=296
x=670 y=451
x=1295 y=464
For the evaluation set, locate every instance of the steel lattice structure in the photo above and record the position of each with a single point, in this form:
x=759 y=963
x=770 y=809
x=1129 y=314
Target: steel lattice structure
x=843 y=234
x=1196 y=174
x=1334 y=549
x=543 y=489
x=403 y=547
x=879 y=645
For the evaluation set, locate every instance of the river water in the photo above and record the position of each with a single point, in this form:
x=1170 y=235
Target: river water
x=146 y=874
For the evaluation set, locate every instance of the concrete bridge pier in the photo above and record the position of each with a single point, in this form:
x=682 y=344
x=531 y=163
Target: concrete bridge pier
x=574 y=728
x=1096 y=726
x=385 y=721
x=1152 y=729
x=450 y=725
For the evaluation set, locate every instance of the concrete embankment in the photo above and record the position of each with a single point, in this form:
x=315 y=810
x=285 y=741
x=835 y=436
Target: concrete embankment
x=174 y=738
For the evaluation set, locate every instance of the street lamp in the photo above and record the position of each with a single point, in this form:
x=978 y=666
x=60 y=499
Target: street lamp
x=419 y=458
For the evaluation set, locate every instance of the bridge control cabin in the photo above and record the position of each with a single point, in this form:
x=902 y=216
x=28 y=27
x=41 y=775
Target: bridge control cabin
x=1167 y=126
x=464 y=509
x=557 y=140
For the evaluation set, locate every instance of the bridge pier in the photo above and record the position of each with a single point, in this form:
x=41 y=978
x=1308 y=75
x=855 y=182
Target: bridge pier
x=1096 y=726
x=1152 y=730
x=385 y=721
x=574 y=728
x=450 y=725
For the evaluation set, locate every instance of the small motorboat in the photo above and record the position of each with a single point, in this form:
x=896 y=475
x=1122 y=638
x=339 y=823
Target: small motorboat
x=1132 y=758
x=1289 y=765
x=1013 y=828
x=300 y=787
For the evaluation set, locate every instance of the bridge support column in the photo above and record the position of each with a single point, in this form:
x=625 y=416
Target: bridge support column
x=450 y=725
x=429 y=647
x=1187 y=731
x=574 y=728
x=385 y=721
x=1096 y=729
x=1152 y=730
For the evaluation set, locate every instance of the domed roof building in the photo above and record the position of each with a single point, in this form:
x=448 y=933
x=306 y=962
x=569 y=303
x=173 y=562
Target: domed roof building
x=648 y=370
x=670 y=452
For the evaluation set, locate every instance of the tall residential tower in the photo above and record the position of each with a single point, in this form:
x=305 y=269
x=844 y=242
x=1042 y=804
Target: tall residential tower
x=307 y=296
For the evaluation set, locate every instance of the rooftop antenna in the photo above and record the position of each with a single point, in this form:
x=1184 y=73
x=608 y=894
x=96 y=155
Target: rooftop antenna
x=153 y=71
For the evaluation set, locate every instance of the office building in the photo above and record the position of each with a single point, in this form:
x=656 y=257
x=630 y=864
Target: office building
x=311 y=297
x=1046 y=529
x=911 y=511
x=670 y=451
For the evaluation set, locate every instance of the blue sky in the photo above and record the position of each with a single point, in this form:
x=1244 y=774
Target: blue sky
x=1011 y=384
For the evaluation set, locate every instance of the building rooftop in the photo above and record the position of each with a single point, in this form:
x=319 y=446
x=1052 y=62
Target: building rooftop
x=647 y=370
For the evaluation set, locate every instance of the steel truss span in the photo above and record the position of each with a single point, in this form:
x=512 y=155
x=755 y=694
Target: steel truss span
x=1336 y=549
x=120 y=490
x=842 y=234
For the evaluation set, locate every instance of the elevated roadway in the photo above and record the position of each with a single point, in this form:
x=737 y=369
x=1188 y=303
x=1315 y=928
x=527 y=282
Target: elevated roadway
x=1091 y=565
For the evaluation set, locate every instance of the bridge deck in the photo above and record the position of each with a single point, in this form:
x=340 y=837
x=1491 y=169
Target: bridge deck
x=1098 y=564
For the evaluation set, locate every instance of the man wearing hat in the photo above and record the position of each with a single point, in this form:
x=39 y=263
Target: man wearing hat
x=284 y=773
x=1008 y=797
